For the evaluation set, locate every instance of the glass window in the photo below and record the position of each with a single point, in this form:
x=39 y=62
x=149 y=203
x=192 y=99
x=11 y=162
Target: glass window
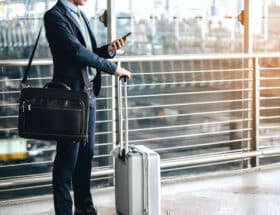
x=19 y=26
x=180 y=27
x=266 y=28
x=20 y=22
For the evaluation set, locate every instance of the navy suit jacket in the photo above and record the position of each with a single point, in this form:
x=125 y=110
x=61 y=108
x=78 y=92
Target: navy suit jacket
x=68 y=48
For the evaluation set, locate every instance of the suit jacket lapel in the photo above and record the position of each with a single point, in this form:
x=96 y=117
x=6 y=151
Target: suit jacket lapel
x=93 y=43
x=69 y=16
x=73 y=20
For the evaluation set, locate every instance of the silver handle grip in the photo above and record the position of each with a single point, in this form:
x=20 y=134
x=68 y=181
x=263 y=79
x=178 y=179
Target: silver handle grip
x=123 y=142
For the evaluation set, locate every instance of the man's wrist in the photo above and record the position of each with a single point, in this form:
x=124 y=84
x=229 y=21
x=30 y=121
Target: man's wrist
x=112 y=53
x=118 y=71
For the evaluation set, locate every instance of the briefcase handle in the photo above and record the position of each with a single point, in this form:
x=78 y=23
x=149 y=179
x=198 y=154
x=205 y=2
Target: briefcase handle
x=57 y=85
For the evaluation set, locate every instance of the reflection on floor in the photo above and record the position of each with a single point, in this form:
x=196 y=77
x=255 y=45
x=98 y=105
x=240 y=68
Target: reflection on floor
x=255 y=193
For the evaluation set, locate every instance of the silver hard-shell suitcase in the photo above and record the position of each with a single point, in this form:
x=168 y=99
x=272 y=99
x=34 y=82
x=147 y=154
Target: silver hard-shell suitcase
x=137 y=172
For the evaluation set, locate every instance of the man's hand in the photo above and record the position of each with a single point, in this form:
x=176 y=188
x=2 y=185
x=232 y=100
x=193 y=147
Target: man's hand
x=117 y=44
x=123 y=72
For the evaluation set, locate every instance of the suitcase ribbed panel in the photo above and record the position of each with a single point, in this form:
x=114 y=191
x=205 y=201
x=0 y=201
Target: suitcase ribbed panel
x=130 y=178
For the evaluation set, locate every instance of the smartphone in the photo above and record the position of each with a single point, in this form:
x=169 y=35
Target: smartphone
x=126 y=35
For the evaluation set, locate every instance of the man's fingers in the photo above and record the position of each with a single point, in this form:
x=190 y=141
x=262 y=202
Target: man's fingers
x=118 y=44
x=123 y=72
x=127 y=74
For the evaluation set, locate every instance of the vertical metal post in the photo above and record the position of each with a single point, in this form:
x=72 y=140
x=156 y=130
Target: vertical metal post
x=248 y=48
x=248 y=42
x=111 y=32
x=114 y=119
x=256 y=111
x=111 y=19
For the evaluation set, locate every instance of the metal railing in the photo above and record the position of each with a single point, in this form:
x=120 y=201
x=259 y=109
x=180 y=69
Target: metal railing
x=201 y=113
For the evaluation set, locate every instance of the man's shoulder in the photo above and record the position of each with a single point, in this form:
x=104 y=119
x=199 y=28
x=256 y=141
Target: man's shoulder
x=56 y=10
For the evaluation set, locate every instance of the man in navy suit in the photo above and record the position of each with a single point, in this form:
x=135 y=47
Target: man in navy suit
x=74 y=49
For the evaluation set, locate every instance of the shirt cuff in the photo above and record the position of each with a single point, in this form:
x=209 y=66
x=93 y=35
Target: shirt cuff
x=112 y=54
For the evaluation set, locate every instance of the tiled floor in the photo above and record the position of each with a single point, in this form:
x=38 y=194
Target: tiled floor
x=256 y=193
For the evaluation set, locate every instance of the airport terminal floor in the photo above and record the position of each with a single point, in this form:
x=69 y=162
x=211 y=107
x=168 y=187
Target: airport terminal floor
x=252 y=193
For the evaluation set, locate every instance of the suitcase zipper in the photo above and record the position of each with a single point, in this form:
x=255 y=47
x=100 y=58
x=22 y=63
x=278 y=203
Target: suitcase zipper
x=49 y=107
x=25 y=105
x=29 y=107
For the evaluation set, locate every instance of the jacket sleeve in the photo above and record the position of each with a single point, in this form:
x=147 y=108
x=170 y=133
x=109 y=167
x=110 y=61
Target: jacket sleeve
x=59 y=34
x=103 y=52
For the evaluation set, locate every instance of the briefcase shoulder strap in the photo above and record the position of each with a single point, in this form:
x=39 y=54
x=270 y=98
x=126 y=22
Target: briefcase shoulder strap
x=27 y=69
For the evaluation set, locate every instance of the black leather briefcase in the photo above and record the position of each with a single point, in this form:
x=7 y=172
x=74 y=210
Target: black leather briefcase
x=53 y=113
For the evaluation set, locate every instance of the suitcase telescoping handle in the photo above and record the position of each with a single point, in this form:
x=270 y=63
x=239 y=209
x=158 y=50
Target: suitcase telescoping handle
x=123 y=118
